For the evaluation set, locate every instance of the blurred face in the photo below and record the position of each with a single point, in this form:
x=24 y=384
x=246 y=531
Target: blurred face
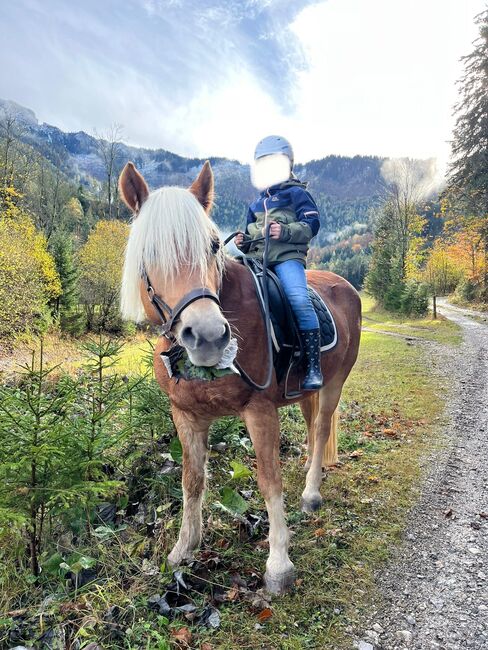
x=270 y=170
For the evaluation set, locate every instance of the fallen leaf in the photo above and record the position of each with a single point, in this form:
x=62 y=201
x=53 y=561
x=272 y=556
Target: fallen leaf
x=265 y=614
x=389 y=432
x=182 y=634
x=374 y=479
x=17 y=612
x=223 y=543
x=263 y=544
x=448 y=513
x=206 y=646
x=356 y=453
x=367 y=434
x=232 y=594
x=319 y=532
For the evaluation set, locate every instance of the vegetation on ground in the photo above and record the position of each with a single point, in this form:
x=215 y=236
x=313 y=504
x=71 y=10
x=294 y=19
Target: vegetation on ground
x=104 y=508
x=377 y=318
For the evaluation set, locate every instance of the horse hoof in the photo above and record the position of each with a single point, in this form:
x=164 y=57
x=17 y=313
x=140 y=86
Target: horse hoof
x=177 y=557
x=279 y=583
x=311 y=505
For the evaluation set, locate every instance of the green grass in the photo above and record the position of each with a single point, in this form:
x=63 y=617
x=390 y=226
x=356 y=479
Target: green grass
x=390 y=404
x=390 y=408
x=440 y=329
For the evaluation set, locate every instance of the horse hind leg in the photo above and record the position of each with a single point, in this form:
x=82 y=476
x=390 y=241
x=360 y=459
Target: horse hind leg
x=324 y=444
x=309 y=408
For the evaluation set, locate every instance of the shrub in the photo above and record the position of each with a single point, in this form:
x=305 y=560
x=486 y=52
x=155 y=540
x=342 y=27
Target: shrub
x=414 y=299
x=466 y=290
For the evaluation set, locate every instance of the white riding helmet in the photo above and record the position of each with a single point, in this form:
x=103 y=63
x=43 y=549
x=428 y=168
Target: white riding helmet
x=273 y=144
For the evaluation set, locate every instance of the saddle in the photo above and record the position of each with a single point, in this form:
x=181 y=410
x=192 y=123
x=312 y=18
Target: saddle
x=287 y=346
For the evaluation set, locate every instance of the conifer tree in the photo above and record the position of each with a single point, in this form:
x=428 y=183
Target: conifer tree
x=468 y=174
x=468 y=179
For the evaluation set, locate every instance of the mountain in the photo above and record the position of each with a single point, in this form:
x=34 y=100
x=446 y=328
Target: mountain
x=345 y=188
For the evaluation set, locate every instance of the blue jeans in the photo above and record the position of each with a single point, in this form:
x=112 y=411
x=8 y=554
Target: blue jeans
x=292 y=277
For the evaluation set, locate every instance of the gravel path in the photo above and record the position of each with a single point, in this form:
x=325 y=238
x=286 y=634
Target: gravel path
x=436 y=588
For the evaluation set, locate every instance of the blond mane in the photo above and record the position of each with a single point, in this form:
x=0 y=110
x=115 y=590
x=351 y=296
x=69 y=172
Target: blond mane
x=171 y=231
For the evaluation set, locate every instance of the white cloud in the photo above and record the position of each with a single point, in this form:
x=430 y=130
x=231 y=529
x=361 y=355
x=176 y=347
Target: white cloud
x=380 y=74
x=381 y=80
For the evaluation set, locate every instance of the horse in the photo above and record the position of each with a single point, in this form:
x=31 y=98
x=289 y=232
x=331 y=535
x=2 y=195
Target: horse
x=176 y=271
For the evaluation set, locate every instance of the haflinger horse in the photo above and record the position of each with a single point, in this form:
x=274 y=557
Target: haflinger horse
x=211 y=298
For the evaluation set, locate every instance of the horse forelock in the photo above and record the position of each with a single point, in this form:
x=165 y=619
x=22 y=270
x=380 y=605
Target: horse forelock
x=171 y=235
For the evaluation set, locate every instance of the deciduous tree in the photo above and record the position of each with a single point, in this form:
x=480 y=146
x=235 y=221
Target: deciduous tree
x=101 y=272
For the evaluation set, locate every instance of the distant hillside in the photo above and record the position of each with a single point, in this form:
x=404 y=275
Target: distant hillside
x=345 y=188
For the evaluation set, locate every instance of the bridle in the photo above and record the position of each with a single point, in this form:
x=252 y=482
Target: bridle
x=170 y=316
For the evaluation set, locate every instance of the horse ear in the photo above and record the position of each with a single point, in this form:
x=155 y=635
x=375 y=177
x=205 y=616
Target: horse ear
x=133 y=188
x=203 y=187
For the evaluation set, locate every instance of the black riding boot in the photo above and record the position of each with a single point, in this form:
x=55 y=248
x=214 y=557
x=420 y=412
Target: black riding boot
x=311 y=348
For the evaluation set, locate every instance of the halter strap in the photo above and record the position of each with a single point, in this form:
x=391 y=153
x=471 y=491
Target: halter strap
x=171 y=316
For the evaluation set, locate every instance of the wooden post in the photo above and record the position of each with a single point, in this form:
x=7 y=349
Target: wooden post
x=434 y=306
x=331 y=456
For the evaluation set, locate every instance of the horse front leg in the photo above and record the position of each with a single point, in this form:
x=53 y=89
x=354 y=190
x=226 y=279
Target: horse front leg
x=261 y=418
x=193 y=434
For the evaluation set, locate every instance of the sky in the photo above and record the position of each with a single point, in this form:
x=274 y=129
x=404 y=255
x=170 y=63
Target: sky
x=212 y=77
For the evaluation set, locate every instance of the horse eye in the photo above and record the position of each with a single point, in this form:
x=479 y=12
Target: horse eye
x=215 y=246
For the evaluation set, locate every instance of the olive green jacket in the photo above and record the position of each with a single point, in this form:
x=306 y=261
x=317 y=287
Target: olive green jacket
x=290 y=205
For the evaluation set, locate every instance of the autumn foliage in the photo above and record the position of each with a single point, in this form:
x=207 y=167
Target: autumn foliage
x=101 y=273
x=28 y=277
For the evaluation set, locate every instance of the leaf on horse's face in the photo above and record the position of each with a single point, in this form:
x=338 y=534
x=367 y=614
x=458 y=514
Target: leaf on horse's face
x=231 y=502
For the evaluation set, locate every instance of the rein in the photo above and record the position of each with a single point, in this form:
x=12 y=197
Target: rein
x=169 y=316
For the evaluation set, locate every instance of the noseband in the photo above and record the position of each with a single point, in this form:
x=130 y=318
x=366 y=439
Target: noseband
x=168 y=316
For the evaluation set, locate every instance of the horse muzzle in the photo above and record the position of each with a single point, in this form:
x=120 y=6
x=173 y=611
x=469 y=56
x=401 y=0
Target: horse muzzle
x=204 y=336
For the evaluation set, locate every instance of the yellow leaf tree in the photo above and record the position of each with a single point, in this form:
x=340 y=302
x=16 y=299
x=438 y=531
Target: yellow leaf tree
x=441 y=273
x=28 y=277
x=101 y=260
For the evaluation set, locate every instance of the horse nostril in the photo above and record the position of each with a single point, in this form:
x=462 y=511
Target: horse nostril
x=188 y=338
x=225 y=338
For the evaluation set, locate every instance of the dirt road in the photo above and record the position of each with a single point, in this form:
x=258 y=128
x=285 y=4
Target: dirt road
x=435 y=590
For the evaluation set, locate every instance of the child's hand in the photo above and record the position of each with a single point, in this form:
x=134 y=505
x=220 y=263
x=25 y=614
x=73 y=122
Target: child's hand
x=274 y=230
x=238 y=239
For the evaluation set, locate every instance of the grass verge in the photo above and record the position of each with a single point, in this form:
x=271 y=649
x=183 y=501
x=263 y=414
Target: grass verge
x=440 y=329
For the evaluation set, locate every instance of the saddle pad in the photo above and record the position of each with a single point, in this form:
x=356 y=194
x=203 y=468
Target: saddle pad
x=328 y=329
